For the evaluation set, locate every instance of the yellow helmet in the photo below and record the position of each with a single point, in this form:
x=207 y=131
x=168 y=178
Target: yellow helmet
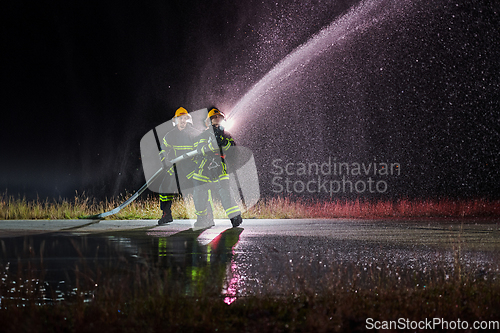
x=180 y=112
x=215 y=111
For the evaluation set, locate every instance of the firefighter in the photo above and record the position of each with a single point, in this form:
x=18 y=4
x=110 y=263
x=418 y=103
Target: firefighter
x=211 y=172
x=176 y=142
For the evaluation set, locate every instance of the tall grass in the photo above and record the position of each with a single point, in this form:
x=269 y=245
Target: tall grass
x=403 y=208
x=147 y=207
x=80 y=205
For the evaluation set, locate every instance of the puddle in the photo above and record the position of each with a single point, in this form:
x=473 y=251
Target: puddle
x=57 y=267
x=231 y=263
x=287 y=265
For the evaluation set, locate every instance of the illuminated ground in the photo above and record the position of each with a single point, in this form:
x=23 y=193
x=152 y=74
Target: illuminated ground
x=479 y=234
x=267 y=256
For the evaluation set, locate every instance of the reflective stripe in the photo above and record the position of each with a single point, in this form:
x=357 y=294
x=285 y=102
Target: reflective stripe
x=209 y=253
x=224 y=177
x=201 y=178
x=167 y=197
x=205 y=179
x=166 y=143
x=201 y=212
x=200 y=167
x=232 y=210
x=179 y=150
x=210 y=201
x=199 y=142
x=162 y=247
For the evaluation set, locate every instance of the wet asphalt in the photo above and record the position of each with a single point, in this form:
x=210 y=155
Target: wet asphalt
x=264 y=256
x=476 y=234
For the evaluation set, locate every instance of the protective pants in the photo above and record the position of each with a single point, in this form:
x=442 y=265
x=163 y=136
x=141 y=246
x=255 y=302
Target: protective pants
x=168 y=191
x=220 y=188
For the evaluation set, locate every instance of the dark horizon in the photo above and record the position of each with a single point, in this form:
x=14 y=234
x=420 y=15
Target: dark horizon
x=410 y=83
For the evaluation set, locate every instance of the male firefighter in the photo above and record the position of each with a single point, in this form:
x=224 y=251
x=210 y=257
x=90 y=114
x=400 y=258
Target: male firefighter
x=176 y=142
x=211 y=171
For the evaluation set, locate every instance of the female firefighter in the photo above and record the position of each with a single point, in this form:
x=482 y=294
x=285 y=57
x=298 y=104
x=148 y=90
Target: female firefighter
x=211 y=172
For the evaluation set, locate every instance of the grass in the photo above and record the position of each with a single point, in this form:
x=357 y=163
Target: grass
x=273 y=208
x=403 y=208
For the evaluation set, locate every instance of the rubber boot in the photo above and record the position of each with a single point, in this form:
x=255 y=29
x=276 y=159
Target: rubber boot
x=203 y=222
x=236 y=221
x=167 y=213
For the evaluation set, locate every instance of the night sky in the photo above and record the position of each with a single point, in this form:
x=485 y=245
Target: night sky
x=412 y=82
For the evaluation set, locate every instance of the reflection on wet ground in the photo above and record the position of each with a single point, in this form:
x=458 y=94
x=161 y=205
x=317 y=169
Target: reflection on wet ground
x=286 y=268
x=56 y=266
x=315 y=255
x=263 y=258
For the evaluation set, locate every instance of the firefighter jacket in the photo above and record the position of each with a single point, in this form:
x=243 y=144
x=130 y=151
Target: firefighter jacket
x=175 y=144
x=212 y=150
